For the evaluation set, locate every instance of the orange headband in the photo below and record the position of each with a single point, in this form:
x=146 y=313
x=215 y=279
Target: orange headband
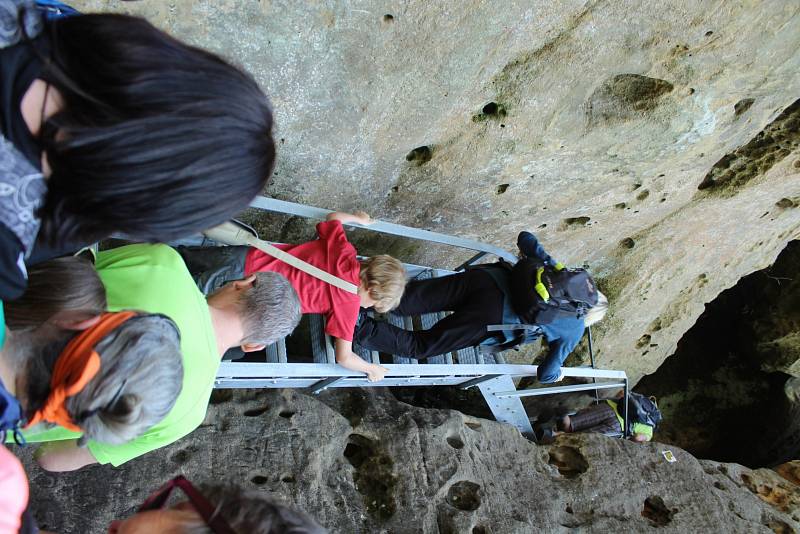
x=77 y=364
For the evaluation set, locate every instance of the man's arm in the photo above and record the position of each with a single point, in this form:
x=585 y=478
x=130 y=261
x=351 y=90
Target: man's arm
x=530 y=247
x=58 y=456
x=350 y=360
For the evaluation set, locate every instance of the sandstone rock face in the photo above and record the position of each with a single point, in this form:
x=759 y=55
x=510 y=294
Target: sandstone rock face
x=362 y=462
x=627 y=134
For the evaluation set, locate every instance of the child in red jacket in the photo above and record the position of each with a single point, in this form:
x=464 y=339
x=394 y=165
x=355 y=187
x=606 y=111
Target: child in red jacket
x=380 y=280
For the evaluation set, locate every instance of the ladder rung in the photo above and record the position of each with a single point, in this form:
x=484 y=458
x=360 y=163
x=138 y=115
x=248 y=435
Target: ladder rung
x=276 y=353
x=317 y=329
x=322 y=385
x=476 y=381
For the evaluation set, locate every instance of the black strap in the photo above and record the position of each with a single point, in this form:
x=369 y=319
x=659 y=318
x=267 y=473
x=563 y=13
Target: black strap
x=515 y=326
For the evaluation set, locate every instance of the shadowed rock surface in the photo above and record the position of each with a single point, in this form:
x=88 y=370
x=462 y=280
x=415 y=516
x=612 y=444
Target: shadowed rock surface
x=371 y=464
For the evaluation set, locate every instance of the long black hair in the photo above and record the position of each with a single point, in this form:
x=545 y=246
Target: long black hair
x=156 y=139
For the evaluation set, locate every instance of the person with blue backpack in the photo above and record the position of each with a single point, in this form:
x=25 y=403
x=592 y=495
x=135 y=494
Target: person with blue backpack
x=496 y=306
x=605 y=417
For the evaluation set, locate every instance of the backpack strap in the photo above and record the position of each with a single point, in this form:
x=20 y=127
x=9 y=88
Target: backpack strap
x=516 y=326
x=231 y=234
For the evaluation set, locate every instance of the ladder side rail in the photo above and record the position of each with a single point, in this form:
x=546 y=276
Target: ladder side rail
x=333 y=382
x=325 y=370
x=292 y=208
x=625 y=431
x=559 y=389
x=591 y=359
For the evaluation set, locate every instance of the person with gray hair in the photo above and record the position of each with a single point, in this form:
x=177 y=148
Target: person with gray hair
x=112 y=381
x=249 y=313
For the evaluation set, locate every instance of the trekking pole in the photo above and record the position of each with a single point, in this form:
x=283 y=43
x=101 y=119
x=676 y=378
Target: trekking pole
x=591 y=359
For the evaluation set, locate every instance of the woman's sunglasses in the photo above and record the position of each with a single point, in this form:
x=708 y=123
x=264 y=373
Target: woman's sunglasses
x=203 y=507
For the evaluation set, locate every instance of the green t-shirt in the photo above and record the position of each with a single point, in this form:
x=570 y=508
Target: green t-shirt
x=154 y=279
x=638 y=428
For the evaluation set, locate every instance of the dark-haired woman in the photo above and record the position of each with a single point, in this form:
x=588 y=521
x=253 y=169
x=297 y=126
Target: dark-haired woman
x=111 y=125
x=221 y=508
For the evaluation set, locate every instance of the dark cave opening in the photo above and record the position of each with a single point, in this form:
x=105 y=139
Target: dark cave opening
x=727 y=393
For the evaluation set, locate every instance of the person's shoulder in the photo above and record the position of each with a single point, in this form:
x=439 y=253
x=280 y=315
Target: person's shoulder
x=141 y=254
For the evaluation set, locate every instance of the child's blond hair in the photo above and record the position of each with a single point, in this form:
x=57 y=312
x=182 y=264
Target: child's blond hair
x=385 y=280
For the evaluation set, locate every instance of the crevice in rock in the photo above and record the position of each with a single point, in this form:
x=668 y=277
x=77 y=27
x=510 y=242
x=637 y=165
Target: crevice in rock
x=374 y=477
x=729 y=393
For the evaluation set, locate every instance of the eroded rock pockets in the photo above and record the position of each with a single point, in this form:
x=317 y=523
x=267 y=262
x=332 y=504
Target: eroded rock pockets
x=624 y=97
x=569 y=461
x=374 y=475
x=735 y=170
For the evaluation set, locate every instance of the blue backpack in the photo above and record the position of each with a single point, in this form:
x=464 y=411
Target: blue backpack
x=10 y=416
x=641 y=409
x=53 y=9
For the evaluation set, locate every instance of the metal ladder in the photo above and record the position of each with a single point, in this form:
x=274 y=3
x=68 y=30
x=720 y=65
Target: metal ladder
x=464 y=368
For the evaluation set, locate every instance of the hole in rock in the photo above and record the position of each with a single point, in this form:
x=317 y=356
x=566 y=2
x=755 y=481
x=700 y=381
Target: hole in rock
x=464 y=495
x=742 y=105
x=420 y=155
x=480 y=529
x=181 y=456
x=288 y=479
x=358 y=449
x=455 y=442
x=568 y=460
x=502 y=188
x=493 y=108
x=255 y=412
x=258 y=480
x=656 y=511
x=286 y=414
x=220 y=396
x=473 y=426
x=728 y=392
x=388 y=18
x=571 y=221
x=627 y=243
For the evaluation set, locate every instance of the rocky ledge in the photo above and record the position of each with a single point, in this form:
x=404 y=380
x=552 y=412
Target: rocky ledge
x=360 y=461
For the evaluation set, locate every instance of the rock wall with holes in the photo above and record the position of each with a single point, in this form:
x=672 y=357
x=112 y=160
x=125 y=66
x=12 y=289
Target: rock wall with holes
x=375 y=465
x=656 y=142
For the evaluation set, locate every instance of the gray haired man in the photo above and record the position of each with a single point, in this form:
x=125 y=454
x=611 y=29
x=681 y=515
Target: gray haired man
x=249 y=313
